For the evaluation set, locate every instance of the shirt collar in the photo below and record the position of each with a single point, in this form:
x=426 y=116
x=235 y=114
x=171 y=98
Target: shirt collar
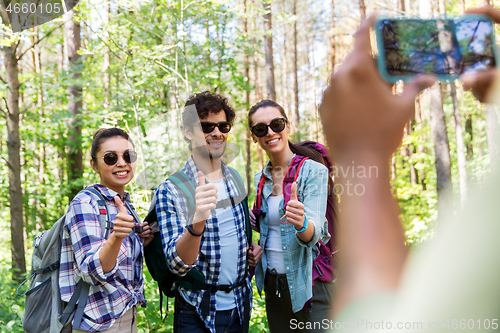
x=268 y=167
x=109 y=194
x=191 y=170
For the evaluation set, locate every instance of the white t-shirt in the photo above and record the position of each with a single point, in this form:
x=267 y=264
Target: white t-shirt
x=274 y=253
x=229 y=249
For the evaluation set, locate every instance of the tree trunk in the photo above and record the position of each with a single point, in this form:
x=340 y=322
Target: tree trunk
x=332 y=38
x=442 y=6
x=393 y=169
x=268 y=42
x=40 y=146
x=461 y=6
x=285 y=65
x=362 y=9
x=401 y=6
x=75 y=163
x=14 y=157
x=492 y=126
x=413 y=171
x=441 y=149
x=107 y=57
x=462 y=164
x=493 y=136
x=468 y=130
x=256 y=66
x=247 y=74
x=420 y=118
x=295 y=113
x=258 y=91
x=425 y=9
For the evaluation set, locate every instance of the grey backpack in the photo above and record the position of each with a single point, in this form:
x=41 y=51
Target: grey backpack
x=44 y=311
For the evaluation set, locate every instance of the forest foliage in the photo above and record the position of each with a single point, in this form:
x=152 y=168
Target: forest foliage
x=140 y=60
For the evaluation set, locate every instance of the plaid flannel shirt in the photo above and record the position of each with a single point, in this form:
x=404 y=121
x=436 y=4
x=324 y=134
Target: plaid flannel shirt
x=172 y=212
x=111 y=294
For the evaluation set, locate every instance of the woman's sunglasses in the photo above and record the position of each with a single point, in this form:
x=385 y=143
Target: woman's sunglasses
x=111 y=158
x=261 y=129
x=208 y=127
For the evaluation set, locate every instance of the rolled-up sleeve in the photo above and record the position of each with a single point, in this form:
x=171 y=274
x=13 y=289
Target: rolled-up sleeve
x=170 y=209
x=85 y=232
x=313 y=193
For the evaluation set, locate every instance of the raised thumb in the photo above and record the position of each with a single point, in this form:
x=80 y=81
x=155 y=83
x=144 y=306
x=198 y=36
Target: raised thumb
x=121 y=207
x=201 y=178
x=293 y=194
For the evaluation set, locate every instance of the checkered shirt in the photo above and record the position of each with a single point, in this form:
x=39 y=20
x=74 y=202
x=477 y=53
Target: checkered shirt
x=111 y=294
x=172 y=212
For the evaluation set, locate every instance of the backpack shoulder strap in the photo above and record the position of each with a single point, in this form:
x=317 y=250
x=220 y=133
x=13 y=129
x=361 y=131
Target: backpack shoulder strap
x=258 y=195
x=104 y=219
x=241 y=190
x=291 y=175
x=185 y=185
x=237 y=180
x=151 y=217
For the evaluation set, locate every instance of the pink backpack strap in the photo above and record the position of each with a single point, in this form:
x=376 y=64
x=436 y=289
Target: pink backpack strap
x=292 y=173
x=257 y=205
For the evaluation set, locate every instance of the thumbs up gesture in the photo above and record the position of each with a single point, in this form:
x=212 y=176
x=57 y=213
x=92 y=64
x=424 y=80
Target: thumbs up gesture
x=295 y=209
x=124 y=222
x=206 y=200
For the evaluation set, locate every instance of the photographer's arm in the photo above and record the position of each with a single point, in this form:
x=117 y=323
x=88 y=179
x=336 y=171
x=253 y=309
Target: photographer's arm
x=365 y=123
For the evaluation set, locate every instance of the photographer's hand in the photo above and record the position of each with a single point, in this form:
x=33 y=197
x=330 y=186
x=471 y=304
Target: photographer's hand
x=482 y=83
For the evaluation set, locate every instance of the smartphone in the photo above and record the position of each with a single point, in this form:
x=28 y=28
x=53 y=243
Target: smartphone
x=446 y=47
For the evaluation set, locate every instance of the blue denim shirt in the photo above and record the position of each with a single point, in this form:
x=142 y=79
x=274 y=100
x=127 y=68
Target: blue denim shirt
x=312 y=190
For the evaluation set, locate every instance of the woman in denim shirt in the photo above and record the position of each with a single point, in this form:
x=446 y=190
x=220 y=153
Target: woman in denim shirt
x=289 y=247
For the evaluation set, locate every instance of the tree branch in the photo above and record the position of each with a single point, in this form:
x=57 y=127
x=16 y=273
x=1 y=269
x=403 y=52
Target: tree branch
x=4 y=15
x=102 y=40
x=6 y=105
x=7 y=162
x=26 y=108
x=39 y=40
x=162 y=65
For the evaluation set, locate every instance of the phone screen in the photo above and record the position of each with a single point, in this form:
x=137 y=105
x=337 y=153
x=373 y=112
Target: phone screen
x=445 y=47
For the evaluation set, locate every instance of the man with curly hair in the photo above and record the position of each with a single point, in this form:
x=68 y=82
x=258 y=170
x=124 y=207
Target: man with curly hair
x=209 y=237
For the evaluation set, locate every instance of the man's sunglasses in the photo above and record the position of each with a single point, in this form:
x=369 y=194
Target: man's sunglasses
x=208 y=127
x=111 y=158
x=261 y=129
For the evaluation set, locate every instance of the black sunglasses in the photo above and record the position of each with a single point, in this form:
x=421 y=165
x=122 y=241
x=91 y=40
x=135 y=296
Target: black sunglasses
x=208 y=127
x=111 y=158
x=261 y=129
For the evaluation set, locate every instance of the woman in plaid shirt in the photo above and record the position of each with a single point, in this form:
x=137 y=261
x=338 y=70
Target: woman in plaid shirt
x=112 y=266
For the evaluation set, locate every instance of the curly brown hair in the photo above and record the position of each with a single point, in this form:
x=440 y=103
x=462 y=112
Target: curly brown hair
x=207 y=102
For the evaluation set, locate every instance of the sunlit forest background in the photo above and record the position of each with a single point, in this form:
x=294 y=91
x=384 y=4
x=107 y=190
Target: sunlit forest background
x=132 y=64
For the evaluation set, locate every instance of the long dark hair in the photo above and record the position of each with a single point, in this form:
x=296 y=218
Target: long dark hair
x=299 y=150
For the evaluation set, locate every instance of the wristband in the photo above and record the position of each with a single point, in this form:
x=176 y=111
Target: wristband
x=304 y=227
x=191 y=231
